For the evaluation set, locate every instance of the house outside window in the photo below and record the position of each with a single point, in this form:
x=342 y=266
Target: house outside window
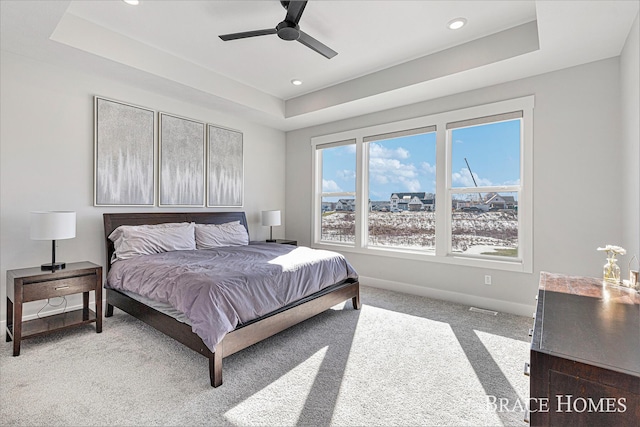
x=453 y=187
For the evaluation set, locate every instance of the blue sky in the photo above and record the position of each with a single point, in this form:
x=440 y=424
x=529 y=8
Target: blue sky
x=407 y=164
x=493 y=153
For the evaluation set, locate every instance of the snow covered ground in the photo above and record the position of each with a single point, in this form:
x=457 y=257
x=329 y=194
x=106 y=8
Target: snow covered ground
x=493 y=233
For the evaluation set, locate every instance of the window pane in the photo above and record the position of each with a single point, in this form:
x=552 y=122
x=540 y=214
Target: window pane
x=491 y=151
x=402 y=177
x=338 y=220
x=338 y=212
x=485 y=224
x=339 y=169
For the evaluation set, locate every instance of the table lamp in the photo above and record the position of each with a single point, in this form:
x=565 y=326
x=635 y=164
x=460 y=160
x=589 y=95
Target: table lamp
x=53 y=225
x=270 y=218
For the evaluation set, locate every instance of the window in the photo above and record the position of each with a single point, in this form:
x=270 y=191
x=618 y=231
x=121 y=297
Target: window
x=400 y=165
x=485 y=185
x=338 y=193
x=453 y=187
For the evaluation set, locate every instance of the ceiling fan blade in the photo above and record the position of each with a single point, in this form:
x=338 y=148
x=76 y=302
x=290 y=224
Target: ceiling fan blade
x=314 y=44
x=235 y=36
x=294 y=11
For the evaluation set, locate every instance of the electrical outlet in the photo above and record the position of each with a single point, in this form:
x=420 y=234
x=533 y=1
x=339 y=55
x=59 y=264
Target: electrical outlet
x=487 y=279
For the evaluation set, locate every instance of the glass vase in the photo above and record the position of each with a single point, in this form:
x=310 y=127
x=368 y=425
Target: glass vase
x=611 y=271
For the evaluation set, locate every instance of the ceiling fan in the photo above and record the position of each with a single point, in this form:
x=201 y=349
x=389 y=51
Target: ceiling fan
x=288 y=30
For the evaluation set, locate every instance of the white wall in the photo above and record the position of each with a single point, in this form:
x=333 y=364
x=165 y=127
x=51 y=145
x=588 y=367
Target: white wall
x=576 y=188
x=46 y=152
x=630 y=98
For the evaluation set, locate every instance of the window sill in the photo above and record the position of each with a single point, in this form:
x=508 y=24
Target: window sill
x=493 y=263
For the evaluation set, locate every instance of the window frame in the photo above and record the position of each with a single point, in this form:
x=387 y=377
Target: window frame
x=443 y=189
x=319 y=194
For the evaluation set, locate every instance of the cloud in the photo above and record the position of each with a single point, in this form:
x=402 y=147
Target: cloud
x=412 y=185
x=379 y=179
x=392 y=171
x=390 y=167
x=428 y=168
x=463 y=179
x=346 y=174
x=378 y=151
x=330 y=186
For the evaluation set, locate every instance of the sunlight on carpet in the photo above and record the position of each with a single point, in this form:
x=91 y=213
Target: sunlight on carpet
x=282 y=400
x=501 y=350
x=418 y=364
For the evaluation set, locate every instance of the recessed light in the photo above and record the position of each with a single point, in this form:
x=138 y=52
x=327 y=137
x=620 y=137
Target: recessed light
x=296 y=82
x=457 y=23
x=132 y=2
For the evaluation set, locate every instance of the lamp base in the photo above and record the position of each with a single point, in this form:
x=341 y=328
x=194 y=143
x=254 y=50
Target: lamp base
x=53 y=266
x=271 y=240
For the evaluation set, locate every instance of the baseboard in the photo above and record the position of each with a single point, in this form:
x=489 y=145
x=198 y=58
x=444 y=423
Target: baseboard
x=470 y=300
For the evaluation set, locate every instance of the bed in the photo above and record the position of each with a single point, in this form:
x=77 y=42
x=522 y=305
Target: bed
x=166 y=318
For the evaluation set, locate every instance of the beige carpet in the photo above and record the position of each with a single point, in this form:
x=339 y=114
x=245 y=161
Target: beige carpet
x=400 y=361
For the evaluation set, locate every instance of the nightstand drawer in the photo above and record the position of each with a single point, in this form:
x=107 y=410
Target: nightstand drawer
x=58 y=288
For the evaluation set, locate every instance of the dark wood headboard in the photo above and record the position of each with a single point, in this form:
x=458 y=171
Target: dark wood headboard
x=115 y=220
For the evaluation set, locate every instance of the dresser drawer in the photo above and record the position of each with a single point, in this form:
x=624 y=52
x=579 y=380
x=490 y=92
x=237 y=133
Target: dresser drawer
x=57 y=288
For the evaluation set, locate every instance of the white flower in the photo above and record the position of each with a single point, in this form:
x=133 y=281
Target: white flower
x=617 y=250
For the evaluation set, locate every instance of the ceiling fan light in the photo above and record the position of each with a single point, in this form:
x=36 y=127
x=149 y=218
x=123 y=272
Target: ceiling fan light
x=296 y=82
x=457 y=23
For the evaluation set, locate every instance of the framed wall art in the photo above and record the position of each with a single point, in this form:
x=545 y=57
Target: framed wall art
x=225 y=173
x=182 y=161
x=124 y=154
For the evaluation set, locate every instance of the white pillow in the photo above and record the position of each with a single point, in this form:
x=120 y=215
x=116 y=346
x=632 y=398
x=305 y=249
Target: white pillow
x=210 y=236
x=134 y=240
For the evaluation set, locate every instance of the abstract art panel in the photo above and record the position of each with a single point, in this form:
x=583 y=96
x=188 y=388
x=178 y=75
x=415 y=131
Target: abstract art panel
x=225 y=167
x=182 y=160
x=124 y=154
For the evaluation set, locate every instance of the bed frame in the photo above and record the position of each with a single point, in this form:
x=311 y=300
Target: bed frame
x=244 y=335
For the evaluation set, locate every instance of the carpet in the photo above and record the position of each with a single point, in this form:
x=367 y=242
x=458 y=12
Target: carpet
x=401 y=360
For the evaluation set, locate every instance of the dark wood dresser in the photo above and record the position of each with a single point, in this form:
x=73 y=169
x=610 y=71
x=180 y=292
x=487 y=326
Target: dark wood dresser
x=585 y=354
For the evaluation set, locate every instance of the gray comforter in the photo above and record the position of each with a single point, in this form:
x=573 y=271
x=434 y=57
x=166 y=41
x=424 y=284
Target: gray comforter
x=219 y=289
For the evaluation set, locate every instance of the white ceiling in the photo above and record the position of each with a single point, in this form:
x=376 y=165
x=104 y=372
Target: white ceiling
x=390 y=53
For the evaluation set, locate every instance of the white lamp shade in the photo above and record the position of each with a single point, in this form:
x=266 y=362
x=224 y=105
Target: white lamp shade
x=270 y=217
x=53 y=225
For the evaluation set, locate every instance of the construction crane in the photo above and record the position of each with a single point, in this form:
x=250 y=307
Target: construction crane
x=473 y=178
x=471 y=173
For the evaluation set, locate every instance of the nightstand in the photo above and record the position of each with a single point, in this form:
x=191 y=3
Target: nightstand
x=33 y=284
x=286 y=242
